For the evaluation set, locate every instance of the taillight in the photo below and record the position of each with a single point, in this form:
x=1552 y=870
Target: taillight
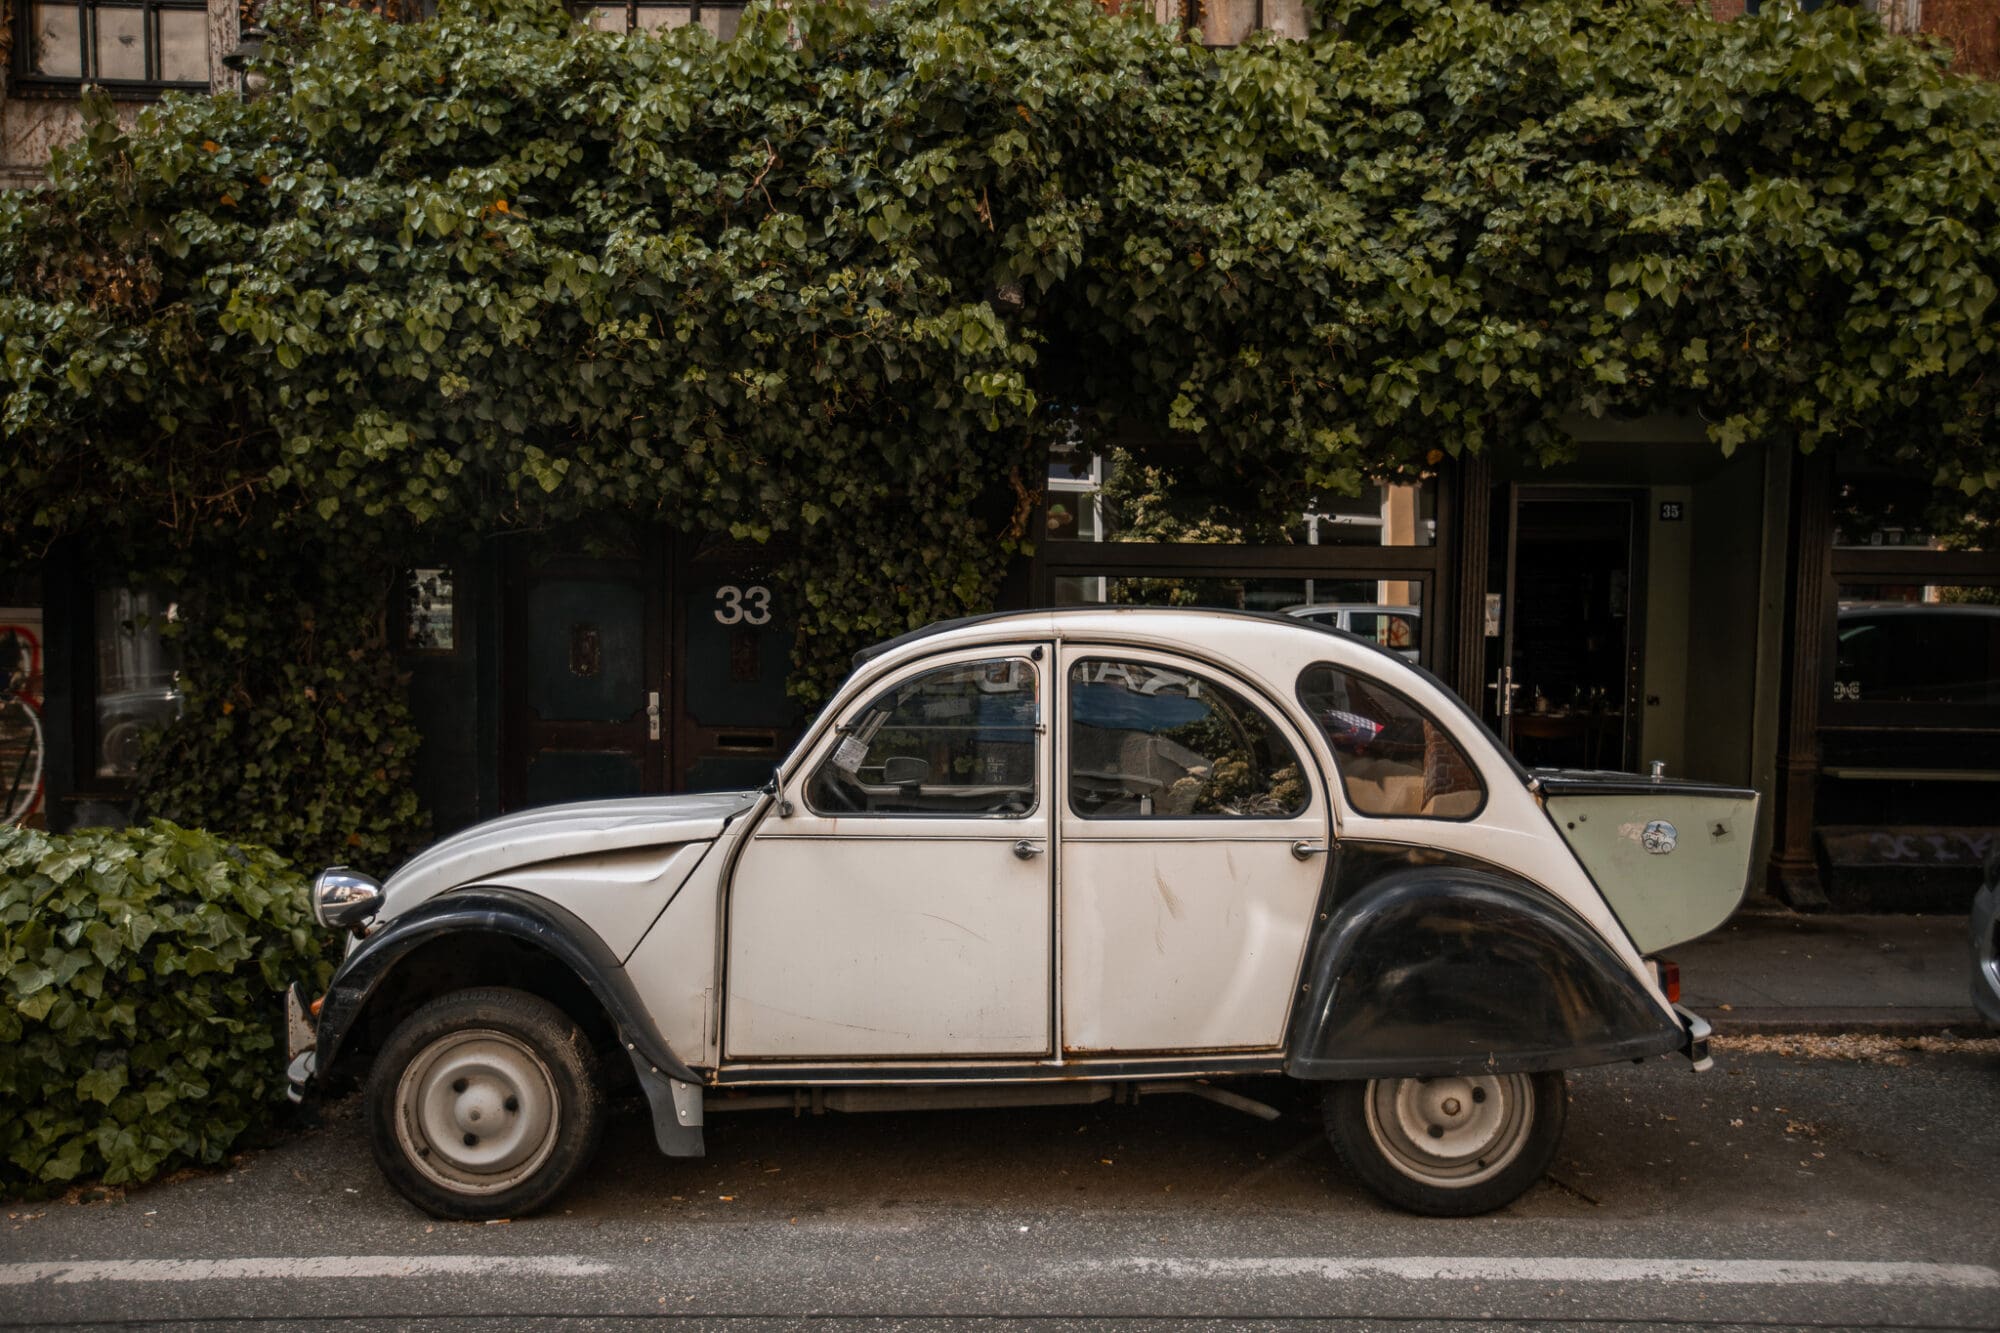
x=1668 y=973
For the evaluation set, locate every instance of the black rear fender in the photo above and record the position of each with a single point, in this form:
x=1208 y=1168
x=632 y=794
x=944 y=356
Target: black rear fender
x=1454 y=969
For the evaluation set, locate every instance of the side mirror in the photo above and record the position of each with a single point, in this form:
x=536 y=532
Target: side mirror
x=905 y=771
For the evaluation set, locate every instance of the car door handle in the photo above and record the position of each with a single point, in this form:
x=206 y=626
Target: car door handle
x=1305 y=851
x=1026 y=849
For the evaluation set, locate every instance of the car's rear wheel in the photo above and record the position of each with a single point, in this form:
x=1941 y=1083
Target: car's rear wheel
x=484 y=1103
x=1448 y=1146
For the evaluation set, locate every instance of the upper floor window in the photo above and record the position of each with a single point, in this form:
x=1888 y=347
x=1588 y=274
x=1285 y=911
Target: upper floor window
x=155 y=43
x=648 y=16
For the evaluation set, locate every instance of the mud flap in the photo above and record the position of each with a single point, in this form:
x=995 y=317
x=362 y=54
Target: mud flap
x=676 y=1107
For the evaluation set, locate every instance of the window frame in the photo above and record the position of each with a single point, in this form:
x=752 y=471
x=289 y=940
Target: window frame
x=1274 y=718
x=24 y=79
x=1465 y=753
x=581 y=10
x=823 y=749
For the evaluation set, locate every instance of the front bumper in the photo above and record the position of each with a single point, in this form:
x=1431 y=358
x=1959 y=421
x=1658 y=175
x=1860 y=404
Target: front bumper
x=301 y=1041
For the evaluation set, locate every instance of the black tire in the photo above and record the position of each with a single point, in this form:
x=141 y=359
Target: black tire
x=1448 y=1147
x=478 y=1058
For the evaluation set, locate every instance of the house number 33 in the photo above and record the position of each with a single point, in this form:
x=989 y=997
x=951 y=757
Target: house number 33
x=742 y=606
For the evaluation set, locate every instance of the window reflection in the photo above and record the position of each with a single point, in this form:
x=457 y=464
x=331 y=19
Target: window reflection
x=1925 y=644
x=959 y=740
x=137 y=676
x=1113 y=495
x=1386 y=612
x=1147 y=740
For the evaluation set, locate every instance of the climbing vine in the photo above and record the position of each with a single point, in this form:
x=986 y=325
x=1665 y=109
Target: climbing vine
x=829 y=285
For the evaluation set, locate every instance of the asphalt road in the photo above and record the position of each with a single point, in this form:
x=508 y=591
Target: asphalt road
x=1772 y=1192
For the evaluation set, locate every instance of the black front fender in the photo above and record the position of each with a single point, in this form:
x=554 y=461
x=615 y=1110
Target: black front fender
x=511 y=914
x=1452 y=969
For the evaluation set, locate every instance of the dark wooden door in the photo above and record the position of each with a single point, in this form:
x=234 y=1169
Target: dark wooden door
x=733 y=720
x=585 y=682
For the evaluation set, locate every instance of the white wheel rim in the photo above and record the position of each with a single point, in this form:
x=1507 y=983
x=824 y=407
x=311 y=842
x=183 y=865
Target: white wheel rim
x=1450 y=1132
x=477 y=1111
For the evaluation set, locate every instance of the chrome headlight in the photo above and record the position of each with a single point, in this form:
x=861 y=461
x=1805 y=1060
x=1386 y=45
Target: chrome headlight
x=344 y=899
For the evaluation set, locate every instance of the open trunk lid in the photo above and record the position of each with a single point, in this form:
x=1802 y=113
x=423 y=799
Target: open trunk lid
x=1671 y=857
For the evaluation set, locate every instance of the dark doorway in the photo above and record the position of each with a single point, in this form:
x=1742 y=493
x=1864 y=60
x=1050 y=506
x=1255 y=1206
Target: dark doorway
x=1565 y=625
x=650 y=665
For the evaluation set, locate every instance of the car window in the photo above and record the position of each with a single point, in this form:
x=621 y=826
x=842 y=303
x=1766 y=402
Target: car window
x=1148 y=740
x=1394 y=758
x=958 y=740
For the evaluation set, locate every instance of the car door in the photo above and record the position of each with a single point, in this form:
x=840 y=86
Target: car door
x=1194 y=835
x=904 y=907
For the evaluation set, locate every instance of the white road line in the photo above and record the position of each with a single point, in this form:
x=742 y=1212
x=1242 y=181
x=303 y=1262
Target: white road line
x=1723 y=1272
x=1454 y=1268
x=325 y=1266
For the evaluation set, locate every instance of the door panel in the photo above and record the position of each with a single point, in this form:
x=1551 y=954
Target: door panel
x=1183 y=925
x=734 y=720
x=1181 y=945
x=586 y=666
x=889 y=946
x=889 y=916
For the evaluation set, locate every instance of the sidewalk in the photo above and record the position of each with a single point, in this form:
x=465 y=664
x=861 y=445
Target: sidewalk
x=1777 y=971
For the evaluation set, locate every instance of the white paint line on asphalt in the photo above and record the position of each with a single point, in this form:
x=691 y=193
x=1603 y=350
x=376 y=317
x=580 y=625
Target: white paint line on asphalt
x=322 y=1266
x=1562 y=1271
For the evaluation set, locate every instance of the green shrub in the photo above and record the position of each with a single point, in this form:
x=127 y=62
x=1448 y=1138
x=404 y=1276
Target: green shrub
x=141 y=972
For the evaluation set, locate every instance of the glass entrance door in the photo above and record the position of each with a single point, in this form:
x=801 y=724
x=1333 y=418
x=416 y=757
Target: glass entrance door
x=1564 y=625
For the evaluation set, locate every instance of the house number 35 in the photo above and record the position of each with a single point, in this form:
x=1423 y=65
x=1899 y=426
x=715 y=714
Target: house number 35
x=742 y=606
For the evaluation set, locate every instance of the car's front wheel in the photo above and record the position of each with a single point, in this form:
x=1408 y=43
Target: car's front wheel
x=484 y=1103
x=1448 y=1146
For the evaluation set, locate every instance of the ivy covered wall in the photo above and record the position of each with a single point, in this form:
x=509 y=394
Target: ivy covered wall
x=835 y=281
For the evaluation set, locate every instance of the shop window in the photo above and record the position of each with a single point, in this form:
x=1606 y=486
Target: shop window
x=1395 y=760
x=1387 y=612
x=154 y=44
x=1154 y=741
x=1877 y=508
x=959 y=740
x=23 y=756
x=137 y=685
x=1119 y=494
x=1918 y=644
x=1916 y=593
x=640 y=16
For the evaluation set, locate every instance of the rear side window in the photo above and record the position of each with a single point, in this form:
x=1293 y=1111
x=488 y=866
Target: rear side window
x=1394 y=758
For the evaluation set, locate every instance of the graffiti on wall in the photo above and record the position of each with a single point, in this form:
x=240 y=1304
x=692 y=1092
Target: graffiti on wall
x=21 y=699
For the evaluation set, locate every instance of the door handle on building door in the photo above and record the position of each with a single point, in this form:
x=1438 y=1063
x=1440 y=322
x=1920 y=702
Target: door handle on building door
x=652 y=715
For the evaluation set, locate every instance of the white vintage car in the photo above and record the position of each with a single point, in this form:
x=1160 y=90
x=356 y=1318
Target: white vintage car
x=1037 y=858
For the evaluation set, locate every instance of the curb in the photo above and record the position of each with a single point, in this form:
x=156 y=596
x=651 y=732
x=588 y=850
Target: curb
x=1834 y=1021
